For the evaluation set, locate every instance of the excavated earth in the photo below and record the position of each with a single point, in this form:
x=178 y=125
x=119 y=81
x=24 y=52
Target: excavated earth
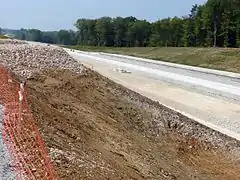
x=96 y=129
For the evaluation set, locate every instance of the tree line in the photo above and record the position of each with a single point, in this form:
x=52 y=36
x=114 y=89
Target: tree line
x=215 y=23
x=66 y=37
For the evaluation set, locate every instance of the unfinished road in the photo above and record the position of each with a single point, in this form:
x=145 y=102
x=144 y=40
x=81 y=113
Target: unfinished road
x=209 y=97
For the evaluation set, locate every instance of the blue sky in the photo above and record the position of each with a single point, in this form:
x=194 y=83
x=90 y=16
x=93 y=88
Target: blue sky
x=62 y=14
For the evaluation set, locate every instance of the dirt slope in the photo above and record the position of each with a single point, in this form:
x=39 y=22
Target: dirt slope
x=96 y=129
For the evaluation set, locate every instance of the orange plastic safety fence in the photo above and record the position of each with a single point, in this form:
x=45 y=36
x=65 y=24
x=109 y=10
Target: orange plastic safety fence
x=20 y=133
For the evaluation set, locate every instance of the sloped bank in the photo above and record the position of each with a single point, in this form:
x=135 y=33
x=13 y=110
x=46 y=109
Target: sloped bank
x=96 y=129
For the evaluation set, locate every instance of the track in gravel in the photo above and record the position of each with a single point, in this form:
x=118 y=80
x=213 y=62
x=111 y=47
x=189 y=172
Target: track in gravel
x=6 y=170
x=210 y=99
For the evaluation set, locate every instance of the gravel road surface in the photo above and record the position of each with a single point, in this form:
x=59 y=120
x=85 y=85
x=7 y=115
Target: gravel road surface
x=6 y=170
x=210 y=99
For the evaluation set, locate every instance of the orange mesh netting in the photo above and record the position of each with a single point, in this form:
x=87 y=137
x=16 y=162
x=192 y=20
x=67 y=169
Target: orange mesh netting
x=20 y=134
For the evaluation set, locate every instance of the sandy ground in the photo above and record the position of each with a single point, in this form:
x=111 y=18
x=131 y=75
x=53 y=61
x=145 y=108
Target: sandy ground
x=6 y=170
x=96 y=129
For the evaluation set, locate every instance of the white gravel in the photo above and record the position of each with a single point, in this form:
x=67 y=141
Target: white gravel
x=26 y=59
x=6 y=169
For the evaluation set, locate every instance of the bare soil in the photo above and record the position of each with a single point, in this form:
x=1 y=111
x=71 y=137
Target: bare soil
x=96 y=129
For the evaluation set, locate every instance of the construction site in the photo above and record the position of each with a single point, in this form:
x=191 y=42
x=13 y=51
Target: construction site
x=60 y=119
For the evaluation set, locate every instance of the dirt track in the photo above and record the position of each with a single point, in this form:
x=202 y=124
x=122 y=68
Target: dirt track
x=96 y=129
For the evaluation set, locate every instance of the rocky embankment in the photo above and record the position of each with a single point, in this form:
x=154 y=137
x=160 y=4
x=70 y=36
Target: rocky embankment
x=25 y=59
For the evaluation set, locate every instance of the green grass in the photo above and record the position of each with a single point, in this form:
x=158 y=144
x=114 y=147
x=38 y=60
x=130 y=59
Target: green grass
x=3 y=37
x=227 y=59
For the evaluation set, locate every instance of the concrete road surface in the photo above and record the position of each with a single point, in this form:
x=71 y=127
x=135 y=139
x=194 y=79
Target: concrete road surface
x=210 y=97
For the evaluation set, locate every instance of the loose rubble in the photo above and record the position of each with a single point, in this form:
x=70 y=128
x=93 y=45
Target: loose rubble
x=25 y=59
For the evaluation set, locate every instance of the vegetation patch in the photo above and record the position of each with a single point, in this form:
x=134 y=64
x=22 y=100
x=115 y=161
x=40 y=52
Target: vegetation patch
x=3 y=37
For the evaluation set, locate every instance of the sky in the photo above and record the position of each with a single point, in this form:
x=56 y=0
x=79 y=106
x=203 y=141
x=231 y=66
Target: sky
x=62 y=14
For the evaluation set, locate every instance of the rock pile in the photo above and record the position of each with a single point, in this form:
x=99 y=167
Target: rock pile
x=26 y=59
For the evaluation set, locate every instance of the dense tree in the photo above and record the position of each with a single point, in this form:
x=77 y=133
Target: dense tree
x=215 y=23
x=160 y=33
x=35 y=35
x=54 y=37
x=236 y=20
x=86 y=34
x=120 y=31
x=129 y=35
x=50 y=37
x=105 y=31
x=66 y=37
x=176 y=32
x=199 y=31
x=189 y=35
